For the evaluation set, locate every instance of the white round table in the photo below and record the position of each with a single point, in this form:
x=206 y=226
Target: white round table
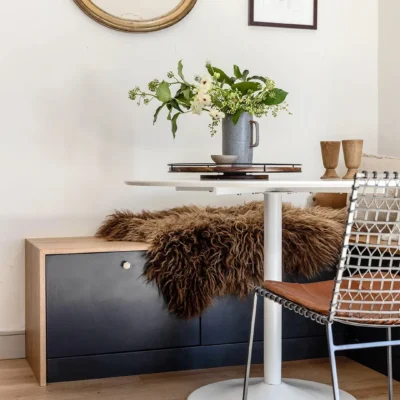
x=271 y=386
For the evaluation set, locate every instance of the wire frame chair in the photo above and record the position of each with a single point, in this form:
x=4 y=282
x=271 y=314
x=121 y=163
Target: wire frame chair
x=366 y=290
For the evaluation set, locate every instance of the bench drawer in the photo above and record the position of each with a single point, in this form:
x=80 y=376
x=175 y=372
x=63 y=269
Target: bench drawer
x=95 y=306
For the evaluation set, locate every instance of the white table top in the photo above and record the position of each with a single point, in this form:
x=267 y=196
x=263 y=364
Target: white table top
x=248 y=186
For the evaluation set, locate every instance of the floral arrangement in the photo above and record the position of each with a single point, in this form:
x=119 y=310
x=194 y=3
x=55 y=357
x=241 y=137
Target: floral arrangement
x=216 y=93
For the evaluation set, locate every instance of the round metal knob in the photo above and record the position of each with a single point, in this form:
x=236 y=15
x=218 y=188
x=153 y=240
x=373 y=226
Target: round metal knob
x=126 y=265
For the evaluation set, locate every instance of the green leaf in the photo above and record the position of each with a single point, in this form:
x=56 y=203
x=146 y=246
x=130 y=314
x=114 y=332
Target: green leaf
x=186 y=93
x=180 y=70
x=237 y=72
x=164 y=92
x=236 y=116
x=175 y=104
x=223 y=77
x=170 y=108
x=245 y=75
x=258 y=78
x=175 y=124
x=244 y=87
x=183 y=101
x=158 y=112
x=279 y=97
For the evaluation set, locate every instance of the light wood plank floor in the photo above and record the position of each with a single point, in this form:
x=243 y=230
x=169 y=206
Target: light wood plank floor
x=18 y=383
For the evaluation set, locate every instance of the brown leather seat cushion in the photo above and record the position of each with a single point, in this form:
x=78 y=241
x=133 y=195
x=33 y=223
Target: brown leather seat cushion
x=314 y=296
x=318 y=296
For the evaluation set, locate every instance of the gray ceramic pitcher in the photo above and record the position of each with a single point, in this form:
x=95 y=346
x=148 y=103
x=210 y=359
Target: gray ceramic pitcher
x=238 y=140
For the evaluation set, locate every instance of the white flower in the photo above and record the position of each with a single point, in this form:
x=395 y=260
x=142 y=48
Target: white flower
x=215 y=114
x=205 y=84
x=197 y=107
x=204 y=99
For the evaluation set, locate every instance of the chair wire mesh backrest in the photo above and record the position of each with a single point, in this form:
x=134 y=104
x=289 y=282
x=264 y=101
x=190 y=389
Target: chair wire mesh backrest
x=367 y=288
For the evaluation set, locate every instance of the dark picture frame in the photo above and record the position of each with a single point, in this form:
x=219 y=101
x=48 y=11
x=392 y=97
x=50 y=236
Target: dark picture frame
x=253 y=22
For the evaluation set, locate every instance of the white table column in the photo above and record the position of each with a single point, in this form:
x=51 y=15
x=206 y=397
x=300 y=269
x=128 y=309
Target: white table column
x=272 y=272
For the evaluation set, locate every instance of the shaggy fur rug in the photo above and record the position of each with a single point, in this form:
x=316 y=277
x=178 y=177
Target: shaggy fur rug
x=197 y=254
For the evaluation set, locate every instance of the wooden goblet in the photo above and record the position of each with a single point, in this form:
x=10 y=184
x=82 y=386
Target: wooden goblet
x=352 y=156
x=330 y=157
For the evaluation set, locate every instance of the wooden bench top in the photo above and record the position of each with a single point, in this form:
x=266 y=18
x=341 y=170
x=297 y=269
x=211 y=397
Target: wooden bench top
x=74 y=245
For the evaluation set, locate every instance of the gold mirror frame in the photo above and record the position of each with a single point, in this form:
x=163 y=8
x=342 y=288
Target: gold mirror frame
x=125 y=25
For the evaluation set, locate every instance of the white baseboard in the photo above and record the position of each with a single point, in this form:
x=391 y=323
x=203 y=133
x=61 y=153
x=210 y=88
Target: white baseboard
x=12 y=346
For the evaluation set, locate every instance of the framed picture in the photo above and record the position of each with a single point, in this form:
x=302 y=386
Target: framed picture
x=298 y=14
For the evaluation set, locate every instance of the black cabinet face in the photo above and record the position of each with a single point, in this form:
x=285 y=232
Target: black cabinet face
x=95 y=306
x=228 y=320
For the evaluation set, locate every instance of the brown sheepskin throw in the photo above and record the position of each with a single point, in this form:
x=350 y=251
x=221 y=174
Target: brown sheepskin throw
x=197 y=254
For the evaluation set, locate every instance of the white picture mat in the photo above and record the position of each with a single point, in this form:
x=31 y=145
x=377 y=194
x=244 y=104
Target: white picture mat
x=137 y=10
x=294 y=12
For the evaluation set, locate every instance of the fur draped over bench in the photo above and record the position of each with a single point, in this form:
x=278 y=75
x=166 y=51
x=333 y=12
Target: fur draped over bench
x=197 y=253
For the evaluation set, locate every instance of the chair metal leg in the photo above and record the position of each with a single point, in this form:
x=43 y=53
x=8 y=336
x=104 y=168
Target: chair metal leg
x=251 y=340
x=390 y=364
x=331 y=345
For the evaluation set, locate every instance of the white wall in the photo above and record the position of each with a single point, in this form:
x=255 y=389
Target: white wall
x=389 y=83
x=70 y=136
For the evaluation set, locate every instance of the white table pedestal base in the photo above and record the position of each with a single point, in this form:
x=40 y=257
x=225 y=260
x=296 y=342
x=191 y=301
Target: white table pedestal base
x=289 y=389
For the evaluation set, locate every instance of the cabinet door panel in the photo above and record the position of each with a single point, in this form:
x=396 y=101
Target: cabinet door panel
x=228 y=321
x=95 y=306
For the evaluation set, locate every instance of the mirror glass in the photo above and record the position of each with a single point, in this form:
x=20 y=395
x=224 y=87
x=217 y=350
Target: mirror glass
x=137 y=10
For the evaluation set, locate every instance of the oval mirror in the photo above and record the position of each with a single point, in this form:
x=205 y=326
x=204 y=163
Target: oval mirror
x=136 y=15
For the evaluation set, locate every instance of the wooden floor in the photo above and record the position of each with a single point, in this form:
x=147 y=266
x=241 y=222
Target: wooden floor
x=17 y=382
